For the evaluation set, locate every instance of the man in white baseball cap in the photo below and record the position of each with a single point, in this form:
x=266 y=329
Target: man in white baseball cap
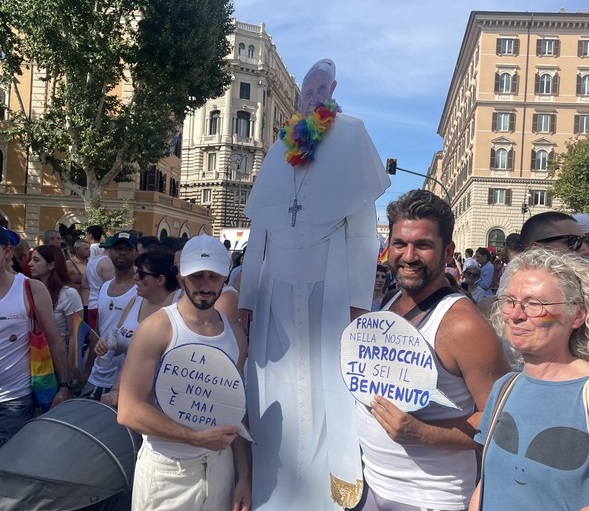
x=204 y=253
x=194 y=466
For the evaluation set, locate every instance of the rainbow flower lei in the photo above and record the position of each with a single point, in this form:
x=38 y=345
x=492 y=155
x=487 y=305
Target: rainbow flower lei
x=301 y=135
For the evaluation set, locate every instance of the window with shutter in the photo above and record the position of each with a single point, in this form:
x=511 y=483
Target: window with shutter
x=508 y=197
x=581 y=123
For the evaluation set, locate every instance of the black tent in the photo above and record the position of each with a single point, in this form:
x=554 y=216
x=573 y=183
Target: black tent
x=76 y=456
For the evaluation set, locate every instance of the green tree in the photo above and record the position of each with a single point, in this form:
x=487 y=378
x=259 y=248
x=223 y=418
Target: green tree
x=167 y=56
x=571 y=169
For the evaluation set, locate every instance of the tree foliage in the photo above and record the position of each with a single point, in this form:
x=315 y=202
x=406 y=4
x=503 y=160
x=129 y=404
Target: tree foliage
x=121 y=75
x=571 y=169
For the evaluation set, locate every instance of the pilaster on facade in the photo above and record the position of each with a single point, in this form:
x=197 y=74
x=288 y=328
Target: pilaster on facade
x=520 y=90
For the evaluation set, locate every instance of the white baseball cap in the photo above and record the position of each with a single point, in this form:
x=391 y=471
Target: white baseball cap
x=204 y=253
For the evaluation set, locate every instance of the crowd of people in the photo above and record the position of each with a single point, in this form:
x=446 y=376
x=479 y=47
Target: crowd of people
x=278 y=311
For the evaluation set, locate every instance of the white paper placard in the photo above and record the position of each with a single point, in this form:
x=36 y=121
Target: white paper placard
x=383 y=354
x=199 y=386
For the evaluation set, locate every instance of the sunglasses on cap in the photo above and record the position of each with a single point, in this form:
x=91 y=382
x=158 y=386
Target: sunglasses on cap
x=574 y=242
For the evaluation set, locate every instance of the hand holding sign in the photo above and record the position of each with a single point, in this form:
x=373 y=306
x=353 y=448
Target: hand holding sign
x=199 y=387
x=383 y=354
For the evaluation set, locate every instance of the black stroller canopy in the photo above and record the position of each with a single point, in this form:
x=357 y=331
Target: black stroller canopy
x=72 y=457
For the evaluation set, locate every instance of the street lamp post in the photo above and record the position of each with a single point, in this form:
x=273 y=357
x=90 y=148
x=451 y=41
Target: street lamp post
x=237 y=159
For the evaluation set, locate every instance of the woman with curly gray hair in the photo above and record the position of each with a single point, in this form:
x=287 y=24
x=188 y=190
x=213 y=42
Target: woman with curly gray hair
x=535 y=425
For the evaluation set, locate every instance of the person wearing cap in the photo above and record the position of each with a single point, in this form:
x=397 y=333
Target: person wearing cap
x=99 y=269
x=113 y=298
x=179 y=468
x=16 y=400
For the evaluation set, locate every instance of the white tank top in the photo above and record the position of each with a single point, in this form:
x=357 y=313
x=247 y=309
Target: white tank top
x=94 y=281
x=181 y=334
x=422 y=476
x=110 y=311
x=15 y=370
x=127 y=329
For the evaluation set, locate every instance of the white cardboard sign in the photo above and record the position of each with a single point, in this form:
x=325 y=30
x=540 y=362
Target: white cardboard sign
x=383 y=354
x=199 y=386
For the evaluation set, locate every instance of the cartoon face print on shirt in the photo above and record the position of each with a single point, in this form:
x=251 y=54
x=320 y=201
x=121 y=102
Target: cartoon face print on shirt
x=559 y=448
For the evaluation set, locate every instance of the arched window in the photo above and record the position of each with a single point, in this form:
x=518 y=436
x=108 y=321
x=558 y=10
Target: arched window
x=241 y=50
x=500 y=159
x=250 y=51
x=505 y=83
x=545 y=84
x=541 y=160
x=496 y=238
x=214 y=122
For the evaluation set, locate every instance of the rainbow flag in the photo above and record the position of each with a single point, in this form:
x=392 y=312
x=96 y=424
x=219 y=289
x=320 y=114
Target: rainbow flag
x=43 y=379
x=383 y=257
x=81 y=331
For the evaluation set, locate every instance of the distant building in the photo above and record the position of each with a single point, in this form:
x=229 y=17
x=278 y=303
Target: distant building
x=520 y=90
x=225 y=141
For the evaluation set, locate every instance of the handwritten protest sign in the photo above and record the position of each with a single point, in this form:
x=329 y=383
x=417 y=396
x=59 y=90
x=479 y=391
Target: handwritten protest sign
x=199 y=387
x=383 y=354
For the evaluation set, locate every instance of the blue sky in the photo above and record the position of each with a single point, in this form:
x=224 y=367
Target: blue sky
x=394 y=62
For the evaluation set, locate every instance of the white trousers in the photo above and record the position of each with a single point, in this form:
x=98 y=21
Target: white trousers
x=204 y=483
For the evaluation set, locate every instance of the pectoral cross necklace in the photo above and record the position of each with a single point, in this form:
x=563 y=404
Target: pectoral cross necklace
x=296 y=207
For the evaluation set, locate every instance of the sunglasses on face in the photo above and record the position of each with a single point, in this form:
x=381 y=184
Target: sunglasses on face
x=471 y=274
x=141 y=274
x=574 y=242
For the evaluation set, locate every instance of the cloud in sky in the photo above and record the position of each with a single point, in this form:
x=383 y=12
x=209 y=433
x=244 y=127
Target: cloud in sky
x=394 y=62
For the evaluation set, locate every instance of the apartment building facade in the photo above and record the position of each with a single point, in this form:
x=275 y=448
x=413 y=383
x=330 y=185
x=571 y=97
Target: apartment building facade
x=520 y=90
x=225 y=141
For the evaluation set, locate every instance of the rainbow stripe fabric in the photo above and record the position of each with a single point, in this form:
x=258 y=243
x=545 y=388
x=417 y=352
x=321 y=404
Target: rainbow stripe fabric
x=81 y=330
x=43 y=379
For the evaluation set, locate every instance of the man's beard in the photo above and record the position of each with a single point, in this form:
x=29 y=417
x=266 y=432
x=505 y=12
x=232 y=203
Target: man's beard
x=421 y=281
x=202 y=305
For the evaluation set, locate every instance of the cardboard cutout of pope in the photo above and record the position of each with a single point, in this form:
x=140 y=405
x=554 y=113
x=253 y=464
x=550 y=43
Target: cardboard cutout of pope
x=308 y=270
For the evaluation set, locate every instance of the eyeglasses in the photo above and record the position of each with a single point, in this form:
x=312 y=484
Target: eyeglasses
x=471 y=274
x=574 y=242
x=141 y=274
x=531 y=307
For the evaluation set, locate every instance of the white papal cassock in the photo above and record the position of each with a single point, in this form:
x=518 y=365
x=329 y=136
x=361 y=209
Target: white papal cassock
x=301 y=280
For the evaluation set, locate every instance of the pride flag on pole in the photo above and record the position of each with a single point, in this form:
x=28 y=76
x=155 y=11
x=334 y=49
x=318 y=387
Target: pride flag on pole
x=81 y=331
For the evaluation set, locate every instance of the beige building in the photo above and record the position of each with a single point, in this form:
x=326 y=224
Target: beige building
x=225 y=141
x=520 y=90
x=33 y=199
